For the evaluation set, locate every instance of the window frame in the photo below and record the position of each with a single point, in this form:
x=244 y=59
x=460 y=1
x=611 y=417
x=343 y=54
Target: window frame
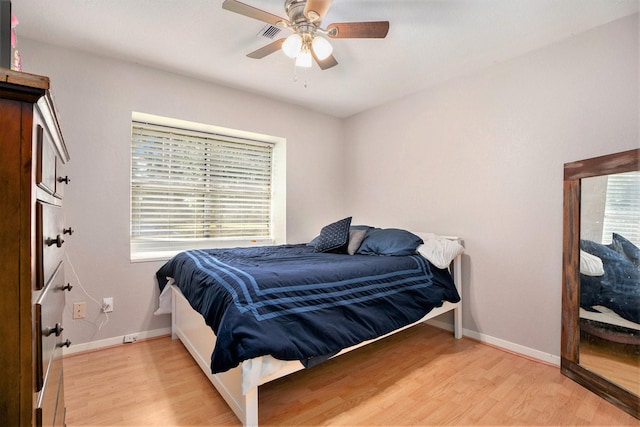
x=146 y=252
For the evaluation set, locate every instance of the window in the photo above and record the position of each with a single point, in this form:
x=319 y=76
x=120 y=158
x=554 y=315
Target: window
x=621 y=214
x=198 y=186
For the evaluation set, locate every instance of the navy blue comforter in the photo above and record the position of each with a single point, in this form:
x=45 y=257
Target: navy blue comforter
x=295 y=304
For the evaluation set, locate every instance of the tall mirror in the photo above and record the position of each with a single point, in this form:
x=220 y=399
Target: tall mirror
x=601 y=277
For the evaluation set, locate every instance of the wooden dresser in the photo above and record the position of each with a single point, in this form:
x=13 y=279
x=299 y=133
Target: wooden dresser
x=33 y=234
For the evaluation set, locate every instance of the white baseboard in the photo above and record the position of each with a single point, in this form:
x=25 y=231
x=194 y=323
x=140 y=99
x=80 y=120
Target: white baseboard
x=506 y=345
x=111 y=342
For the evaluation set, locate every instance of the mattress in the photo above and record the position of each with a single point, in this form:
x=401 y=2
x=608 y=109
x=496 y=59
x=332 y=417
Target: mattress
x=292 y=303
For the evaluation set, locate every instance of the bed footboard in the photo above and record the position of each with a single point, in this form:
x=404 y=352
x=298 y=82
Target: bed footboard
x=188 y=326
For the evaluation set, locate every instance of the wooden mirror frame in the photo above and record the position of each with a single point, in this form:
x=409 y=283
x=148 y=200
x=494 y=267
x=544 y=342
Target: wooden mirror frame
x=626 y=161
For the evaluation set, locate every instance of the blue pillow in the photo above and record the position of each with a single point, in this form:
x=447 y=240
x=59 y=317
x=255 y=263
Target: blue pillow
x=617 y=289
x=626 y=248
x=334 y=237
x=389 y=241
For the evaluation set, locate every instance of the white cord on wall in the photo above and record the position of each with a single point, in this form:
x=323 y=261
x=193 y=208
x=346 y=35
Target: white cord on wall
x=98 y=303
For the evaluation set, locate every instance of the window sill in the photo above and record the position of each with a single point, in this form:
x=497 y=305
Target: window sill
x=165 y=255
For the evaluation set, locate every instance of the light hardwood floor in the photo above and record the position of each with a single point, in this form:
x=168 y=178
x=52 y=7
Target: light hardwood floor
x=419 y=377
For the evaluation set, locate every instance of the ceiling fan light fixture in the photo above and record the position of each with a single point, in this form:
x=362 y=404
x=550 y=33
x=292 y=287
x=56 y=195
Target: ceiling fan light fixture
x=304 y=19
x=321 y=47
x=292 y=45
x=304 y=59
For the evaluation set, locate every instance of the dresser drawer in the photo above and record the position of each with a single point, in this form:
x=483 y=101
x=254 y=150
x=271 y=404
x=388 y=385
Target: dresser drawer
x=61 y=179
x=50 y=410
x=48 y=319
x=50 y=239
x=46 y=160
x=49 y=173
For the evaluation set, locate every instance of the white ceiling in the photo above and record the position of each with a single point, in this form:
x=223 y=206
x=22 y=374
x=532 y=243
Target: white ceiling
x=429 y=41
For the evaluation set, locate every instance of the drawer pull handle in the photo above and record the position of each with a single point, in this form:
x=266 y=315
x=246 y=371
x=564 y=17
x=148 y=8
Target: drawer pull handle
x=66 y=287
x=68 y=231
x=55 y=330
x=57 y=241
x=66 y=179
x=67 y=344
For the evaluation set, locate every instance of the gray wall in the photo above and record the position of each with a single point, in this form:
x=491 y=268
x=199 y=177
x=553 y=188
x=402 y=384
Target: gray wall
x=482 y=157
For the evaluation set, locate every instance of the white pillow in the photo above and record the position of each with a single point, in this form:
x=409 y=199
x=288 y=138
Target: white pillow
x=590 y=265
x=438 y=250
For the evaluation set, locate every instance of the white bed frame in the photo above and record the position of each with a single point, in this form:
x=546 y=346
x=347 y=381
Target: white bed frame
x=188 y=325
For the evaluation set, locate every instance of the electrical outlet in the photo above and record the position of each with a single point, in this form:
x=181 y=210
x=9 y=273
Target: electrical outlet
x=79 y=310
x=130 y=338
x=107 y=305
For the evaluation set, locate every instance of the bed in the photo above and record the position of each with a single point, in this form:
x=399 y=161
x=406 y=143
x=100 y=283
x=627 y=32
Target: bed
x=610 y=290
x=251 y=315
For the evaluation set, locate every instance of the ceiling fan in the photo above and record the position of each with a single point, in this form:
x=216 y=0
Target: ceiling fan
x=308 y=38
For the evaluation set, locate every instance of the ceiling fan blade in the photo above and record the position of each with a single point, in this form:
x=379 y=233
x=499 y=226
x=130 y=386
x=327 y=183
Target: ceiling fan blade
x=252 y=12
x=346 y=30
x=315 y=10
x=326 y=63
x=266 y=50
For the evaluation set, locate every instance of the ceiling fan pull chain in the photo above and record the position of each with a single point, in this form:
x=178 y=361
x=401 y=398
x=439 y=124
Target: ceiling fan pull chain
x=295 y=75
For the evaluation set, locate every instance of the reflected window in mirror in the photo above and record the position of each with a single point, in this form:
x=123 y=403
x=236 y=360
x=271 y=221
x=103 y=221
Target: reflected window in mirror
x=622 y=208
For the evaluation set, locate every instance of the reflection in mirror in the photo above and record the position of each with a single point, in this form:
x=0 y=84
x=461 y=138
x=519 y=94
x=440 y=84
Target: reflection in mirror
x=600 y=346
x=610 y=278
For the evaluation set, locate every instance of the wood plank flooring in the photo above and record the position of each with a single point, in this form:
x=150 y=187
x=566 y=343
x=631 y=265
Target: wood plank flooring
x=419 y=377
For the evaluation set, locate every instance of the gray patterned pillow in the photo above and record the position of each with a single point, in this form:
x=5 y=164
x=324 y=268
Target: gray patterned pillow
x=334 y=237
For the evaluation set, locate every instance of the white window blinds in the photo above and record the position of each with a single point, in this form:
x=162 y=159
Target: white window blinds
x=190 y=186
x=622 y=208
